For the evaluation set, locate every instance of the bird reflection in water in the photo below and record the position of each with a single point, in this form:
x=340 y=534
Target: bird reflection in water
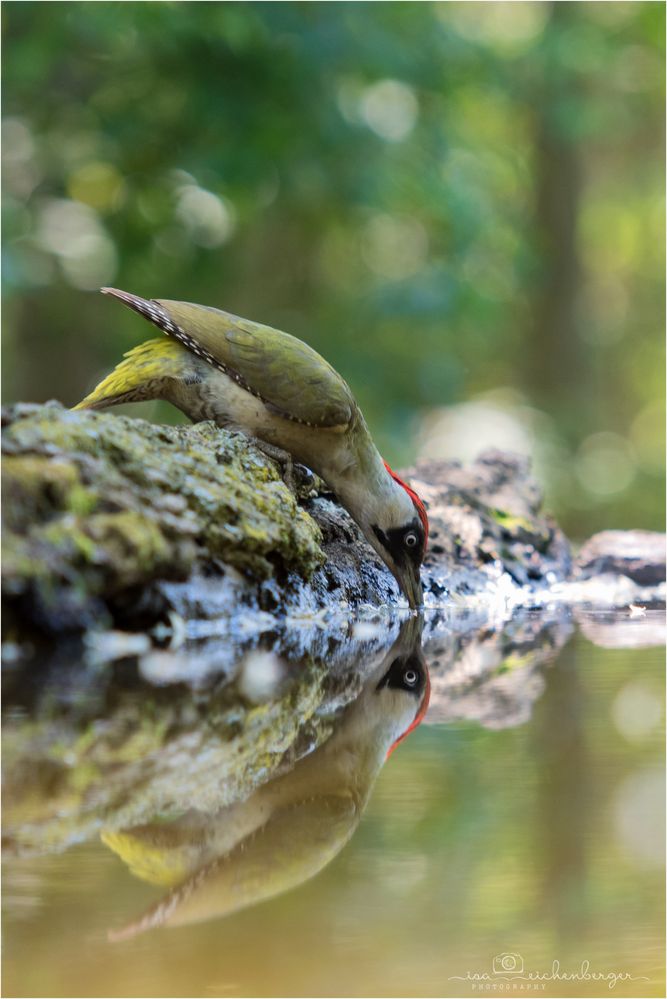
x=289 y=829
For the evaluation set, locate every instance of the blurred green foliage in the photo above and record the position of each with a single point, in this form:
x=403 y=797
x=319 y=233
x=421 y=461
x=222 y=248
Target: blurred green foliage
x=445 y=199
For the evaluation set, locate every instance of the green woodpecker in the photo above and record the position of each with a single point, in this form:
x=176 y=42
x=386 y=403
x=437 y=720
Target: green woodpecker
x=290 y=828
x=216 y=366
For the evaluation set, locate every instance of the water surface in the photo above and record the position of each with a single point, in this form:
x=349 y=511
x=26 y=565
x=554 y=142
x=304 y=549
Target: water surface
x=521 y=823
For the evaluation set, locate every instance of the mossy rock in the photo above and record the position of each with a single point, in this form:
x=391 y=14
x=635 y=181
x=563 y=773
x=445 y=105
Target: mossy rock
x=94 y=504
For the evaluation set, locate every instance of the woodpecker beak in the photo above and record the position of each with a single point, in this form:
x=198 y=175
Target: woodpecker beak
x=409 y=580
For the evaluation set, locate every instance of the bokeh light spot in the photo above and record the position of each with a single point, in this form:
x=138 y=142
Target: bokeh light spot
x=605 y=464
x=390 y=109
x=638 y=810
x=73 y=233
x=20 y=174
x=509 y=27
x=209 y=219
x=394 y=247
x=98 y=185
x=636 y=710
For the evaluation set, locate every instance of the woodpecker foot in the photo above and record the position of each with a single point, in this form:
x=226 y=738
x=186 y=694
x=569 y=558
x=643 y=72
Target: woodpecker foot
x=298 y=479
x=283 y=459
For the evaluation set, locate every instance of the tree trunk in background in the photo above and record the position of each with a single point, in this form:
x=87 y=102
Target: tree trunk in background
x=564 y=800
x=556 y=359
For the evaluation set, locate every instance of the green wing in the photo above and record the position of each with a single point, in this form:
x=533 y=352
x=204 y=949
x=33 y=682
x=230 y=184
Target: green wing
x=295 y=844
x=288 y=375
x=284 y=372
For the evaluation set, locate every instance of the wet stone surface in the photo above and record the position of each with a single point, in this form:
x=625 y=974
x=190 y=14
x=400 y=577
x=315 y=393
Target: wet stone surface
x=115 y=522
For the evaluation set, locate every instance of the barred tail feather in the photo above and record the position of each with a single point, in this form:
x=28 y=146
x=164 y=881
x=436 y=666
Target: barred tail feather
x=140 y=376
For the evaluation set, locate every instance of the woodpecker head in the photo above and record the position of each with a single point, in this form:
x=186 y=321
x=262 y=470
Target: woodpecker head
x=393 y=703
x=399 y=534
x=407 y=684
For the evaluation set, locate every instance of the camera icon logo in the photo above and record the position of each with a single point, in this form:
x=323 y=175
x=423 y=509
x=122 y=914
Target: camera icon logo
x=508 y=964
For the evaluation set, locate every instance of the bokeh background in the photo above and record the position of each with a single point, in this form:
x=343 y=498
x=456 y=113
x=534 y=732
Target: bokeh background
x=461 y=205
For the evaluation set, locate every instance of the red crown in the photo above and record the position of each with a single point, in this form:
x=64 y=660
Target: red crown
x=419 y=506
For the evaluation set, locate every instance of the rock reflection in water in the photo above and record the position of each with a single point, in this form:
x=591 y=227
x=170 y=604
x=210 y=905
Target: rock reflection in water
x=148 y=757
x=91 y=746
x=290 y=828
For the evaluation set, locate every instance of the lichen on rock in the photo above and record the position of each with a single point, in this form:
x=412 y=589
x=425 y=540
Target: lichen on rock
x=95 y=504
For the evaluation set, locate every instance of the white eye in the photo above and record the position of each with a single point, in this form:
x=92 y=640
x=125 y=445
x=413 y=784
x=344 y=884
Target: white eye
x=411 y=539
x=410 y=677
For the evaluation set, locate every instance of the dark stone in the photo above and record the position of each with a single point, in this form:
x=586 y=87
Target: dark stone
x=639 y=555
